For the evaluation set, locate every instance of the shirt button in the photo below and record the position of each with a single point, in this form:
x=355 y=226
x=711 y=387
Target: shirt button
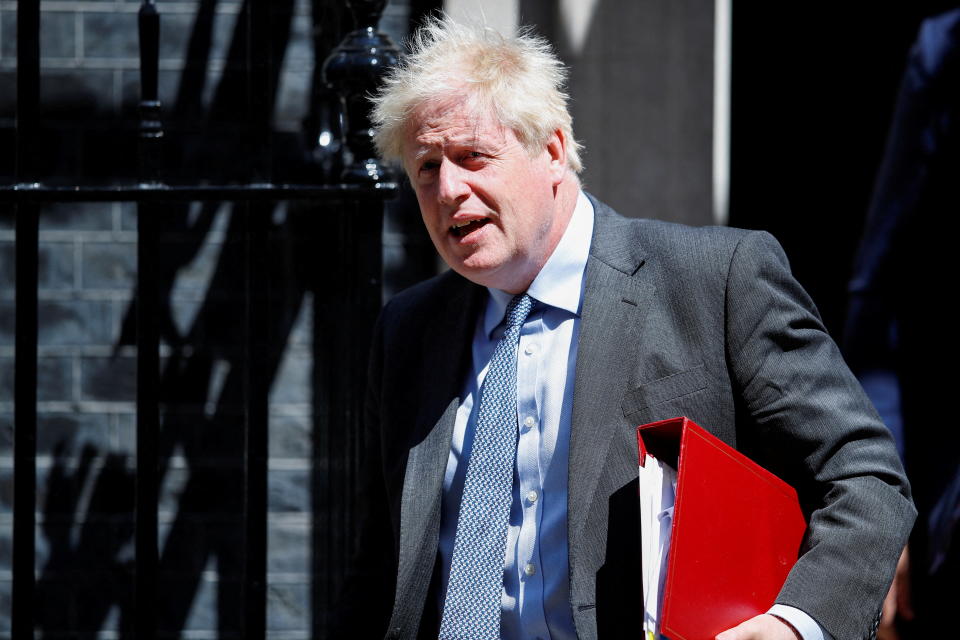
x=529 y=569
x=532 y=495
x=531 y=349
x=530 y=421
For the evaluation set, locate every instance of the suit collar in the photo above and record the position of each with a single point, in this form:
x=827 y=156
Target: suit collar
x=616 y=240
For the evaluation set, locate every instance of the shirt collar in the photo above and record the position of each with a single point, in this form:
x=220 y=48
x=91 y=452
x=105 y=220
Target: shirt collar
x=560 y=282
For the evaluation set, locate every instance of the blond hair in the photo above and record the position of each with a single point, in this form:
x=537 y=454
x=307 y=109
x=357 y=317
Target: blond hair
x=519 y=78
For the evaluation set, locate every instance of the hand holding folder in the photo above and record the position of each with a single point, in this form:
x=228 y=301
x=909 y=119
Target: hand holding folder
x=734 y=535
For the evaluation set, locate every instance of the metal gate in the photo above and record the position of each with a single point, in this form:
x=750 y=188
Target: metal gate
x=331 y=217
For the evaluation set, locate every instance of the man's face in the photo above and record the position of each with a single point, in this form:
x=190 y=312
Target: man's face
x=487 y=203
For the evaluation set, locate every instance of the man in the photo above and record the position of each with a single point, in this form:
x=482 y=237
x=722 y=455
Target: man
x=504 y=452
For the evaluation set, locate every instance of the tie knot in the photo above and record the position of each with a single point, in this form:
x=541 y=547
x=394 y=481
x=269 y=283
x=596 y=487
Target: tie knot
x=518 y=309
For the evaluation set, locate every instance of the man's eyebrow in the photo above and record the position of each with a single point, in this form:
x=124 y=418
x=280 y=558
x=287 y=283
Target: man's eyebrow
x=464 y=140
x=421 y=152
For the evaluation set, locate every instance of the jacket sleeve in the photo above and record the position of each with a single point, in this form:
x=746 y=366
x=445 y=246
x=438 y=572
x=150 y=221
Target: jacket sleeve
x=803 y=415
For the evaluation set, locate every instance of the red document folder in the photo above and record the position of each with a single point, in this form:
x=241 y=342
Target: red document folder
x=736 y=531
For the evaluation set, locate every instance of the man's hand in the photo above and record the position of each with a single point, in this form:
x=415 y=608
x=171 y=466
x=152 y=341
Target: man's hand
x=897 y=605
x=762 y=627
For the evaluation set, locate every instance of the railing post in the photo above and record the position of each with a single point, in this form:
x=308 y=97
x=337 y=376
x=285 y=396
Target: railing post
x=354 y=70
x=148 y=335
x=25 y=367
x=353 y=253
x=151 y=126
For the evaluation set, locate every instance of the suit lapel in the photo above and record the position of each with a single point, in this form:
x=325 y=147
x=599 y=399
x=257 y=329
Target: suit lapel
x=616 y=296
x=446 y=352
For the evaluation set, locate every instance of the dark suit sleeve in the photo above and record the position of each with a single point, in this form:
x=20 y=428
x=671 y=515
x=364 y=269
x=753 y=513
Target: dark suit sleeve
x=802 y=414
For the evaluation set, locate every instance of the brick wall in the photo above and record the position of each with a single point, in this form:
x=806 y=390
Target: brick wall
x=87 y=363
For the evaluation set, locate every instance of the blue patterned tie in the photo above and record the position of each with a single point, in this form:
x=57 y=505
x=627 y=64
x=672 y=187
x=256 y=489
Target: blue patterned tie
x=471 y=609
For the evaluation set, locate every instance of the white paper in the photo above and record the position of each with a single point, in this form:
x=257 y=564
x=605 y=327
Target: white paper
x=658 y=490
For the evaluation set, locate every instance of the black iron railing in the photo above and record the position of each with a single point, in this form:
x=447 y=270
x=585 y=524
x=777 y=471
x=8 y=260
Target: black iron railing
x=25 y=366
x=354 y=70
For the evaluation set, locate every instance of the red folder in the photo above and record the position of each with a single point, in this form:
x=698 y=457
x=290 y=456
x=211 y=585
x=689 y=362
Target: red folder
x=736 y=531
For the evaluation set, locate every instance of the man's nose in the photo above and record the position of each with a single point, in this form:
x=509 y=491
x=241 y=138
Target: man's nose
x=453 y=187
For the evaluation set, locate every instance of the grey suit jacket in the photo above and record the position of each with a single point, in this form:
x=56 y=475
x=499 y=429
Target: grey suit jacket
x=706 y=323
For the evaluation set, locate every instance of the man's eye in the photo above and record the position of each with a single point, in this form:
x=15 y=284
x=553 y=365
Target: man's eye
x=429 y=165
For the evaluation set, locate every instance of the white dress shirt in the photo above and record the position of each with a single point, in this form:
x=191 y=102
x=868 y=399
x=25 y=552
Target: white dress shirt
x=536 y=590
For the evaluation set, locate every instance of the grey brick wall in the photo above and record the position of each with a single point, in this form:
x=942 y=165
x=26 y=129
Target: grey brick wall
x=86 y=369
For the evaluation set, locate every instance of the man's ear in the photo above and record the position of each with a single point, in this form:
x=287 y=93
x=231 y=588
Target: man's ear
x=557 y=150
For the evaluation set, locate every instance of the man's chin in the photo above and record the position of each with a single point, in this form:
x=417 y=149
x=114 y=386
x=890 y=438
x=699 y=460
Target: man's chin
x=476 y=270
x=478 y=273
x=496 y=275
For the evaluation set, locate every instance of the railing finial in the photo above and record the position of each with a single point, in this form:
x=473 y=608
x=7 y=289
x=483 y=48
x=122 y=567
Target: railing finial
x=354 y=70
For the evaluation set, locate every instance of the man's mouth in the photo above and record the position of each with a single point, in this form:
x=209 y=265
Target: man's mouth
x=461 y=229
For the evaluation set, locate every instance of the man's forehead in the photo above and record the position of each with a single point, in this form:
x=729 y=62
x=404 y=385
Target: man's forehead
x=441 y=122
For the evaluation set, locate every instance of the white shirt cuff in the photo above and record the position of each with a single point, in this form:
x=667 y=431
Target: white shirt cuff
x=807 y=627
